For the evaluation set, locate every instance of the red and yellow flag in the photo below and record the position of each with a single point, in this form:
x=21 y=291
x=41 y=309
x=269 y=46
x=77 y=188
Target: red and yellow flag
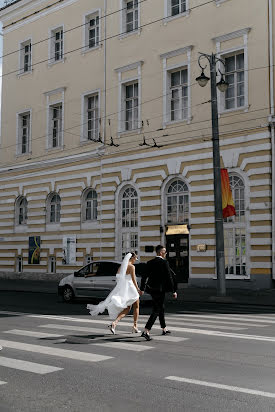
x=228 y=207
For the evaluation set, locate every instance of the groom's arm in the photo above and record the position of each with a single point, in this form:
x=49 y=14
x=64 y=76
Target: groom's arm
x=144 y=278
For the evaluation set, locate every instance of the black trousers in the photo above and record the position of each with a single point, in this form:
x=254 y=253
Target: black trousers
x=157 y=310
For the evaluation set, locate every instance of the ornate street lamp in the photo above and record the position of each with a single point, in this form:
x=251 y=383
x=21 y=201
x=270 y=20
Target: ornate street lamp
x=222 y=86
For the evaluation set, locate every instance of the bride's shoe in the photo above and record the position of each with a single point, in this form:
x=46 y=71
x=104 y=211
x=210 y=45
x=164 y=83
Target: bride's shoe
x=112 y=328
x=135 y=330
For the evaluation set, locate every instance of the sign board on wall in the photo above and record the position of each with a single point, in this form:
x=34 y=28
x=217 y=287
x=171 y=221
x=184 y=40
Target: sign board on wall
x=69 y=250
x=34 y=250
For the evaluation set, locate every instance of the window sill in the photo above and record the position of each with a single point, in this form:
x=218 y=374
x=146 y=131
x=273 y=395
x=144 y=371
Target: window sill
x=53 y=63
x=167 y=19
x=23 y=155
x=89 y=224
x=88 y=142
x=86 y=49
x=129 y=33
x=170 y=123
x=20 y=228
x=129 y=132
x=237 y=109
x=23 y=74
x=52 y=227
x=53 y=149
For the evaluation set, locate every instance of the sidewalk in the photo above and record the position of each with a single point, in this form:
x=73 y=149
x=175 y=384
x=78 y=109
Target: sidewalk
x=265 y=297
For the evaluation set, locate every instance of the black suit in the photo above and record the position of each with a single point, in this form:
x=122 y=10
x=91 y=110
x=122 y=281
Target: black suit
x=158 y=280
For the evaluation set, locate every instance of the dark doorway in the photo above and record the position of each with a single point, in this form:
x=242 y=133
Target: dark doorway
x=177 y=247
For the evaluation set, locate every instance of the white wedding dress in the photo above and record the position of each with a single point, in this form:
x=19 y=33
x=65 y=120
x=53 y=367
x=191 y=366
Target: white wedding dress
x=124 y=294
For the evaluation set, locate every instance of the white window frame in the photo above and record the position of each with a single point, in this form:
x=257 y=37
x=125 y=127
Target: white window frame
x=85 y=35
x=123 y=12
x=242 y=225
x=167 y=11
x=21 y=65
x=118 y=213
x=19 y=134
x=48 y=209
x=19 y=264
x=52 y=264
x=187 y=192
x=121 y=95
x=51 y=51
x=221 y=53
x=84 y=115
x=51 y=102
x=83 y=204
x=167 y=69
x=17 y=212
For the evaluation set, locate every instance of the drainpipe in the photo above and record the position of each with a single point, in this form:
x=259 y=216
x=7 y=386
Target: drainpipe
x=271 y=122
x=105 y=74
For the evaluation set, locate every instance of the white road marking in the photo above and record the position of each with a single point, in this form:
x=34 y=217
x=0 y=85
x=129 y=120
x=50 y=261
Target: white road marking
x=2 y=383
x=168 y=338
x=221 y=386
x=126 y=346
x=201 y=325
x=188 y=319
x=28 y=366
x=53 y=351
x=32 y=333
x=231 y=317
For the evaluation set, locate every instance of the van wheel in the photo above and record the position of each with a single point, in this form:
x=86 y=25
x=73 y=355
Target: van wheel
x=68 y=294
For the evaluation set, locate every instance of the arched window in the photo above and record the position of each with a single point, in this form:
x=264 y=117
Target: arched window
x=90 y=205
x=235 y=231
x=53 y=209
x=177 y=202
x=21 y=211
x=129 y=220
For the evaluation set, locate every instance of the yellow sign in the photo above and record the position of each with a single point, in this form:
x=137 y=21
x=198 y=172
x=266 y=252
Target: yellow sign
x=177 y=230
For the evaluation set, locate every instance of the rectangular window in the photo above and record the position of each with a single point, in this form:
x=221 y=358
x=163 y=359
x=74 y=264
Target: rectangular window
x=56 y=125
x=131 y=106
x=131 y=10
x=235 y=76
x=92 y=116
x=178 y=95
x=177 y=7
x=93 y=31
x=19 y=264
x=25 y=57
x=52 y=264
x=129 y=242
x=235 y=251
x=24 y=133
x=56 y=45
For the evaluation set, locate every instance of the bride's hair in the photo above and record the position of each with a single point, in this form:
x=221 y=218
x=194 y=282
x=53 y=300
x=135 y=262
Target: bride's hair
x=133 y=254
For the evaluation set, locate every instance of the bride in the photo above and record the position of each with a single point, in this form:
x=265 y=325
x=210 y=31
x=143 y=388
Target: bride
x=125 y=294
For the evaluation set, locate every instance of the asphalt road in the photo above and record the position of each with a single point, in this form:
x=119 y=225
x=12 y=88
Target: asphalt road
x=56 y=357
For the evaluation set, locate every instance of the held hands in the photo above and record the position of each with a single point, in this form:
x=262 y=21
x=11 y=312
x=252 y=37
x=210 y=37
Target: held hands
x=175 y=295
x=140 y=292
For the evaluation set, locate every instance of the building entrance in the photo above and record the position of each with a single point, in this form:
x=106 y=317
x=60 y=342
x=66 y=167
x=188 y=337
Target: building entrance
x=177 y=246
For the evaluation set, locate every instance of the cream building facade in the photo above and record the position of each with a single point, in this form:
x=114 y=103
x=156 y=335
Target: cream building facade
x=106 y=136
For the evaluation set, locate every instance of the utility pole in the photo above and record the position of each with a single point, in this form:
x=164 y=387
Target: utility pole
x=222 y=85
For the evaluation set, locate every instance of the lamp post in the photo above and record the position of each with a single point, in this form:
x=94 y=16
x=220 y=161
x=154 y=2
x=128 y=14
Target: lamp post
x=222 y=85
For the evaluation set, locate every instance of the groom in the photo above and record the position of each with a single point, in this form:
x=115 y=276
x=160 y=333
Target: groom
x=158 y=280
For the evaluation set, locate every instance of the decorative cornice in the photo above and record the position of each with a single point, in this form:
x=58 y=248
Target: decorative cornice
x=230 y=36
x=177 y=52
x=128 y=67
x=55 y=91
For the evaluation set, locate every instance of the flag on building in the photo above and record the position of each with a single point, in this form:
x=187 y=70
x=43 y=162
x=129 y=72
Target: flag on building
x=228 y=207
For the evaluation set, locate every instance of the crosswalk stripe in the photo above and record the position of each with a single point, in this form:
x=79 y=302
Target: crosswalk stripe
x=33 y=334
x=167 y=338
x=33 y=367
x=221 y=386
x=123 y=345
x=53 y=351
x=203 y=325
x=225 y=322
x=231 y=317
x=2 y=383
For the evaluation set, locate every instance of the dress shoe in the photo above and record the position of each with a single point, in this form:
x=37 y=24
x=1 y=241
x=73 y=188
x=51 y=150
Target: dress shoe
x=166 y=332
x=146 y=336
